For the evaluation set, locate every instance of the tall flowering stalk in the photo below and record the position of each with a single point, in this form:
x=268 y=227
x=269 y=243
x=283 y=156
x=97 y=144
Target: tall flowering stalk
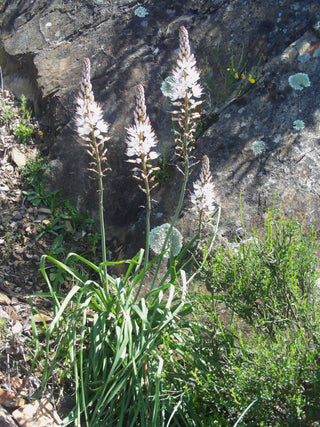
x=141 y=141
x=93 y=130
x=185 y=92
x=203 y=196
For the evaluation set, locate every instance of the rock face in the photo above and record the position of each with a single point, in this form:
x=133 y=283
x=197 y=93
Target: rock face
x=260 y=136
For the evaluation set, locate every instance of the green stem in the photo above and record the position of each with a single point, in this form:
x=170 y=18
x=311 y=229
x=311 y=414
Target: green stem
x=148 y=207
x=175 y=217
x=101 y=214
x=184 y=124
x=200 y=226
x=148 y=214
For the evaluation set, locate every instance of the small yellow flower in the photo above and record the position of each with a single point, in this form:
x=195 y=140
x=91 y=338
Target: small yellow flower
x=243 y=76
x=236 y=75
x=251 y=79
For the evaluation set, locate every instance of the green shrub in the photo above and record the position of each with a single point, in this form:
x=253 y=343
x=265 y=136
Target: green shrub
x=267 y=281
x=278 y=375
x=257 y=332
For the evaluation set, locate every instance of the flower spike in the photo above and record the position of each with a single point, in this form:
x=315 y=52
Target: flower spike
x=141 y=137
x=203 y=197
x=186 y=76
x=93 y=129
x=89 y=115
x=185 y=92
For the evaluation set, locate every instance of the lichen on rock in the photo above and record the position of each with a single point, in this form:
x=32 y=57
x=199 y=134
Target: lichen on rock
x=299 y=81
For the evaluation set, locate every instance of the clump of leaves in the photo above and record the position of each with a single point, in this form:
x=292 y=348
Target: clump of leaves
x=23 y=132
x=33 y=175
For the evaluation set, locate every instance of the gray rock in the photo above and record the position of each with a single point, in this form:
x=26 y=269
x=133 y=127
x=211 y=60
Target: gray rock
x=42 y=45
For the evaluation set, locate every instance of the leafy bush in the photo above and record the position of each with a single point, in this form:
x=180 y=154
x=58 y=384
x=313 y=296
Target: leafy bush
x=277 y=375
x=268 y=282
x=258 y=331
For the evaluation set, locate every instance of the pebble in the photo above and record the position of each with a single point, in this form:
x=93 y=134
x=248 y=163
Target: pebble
x=45 y=211
x=17 y=216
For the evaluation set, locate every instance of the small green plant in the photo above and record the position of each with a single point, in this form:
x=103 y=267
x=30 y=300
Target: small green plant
x=33 y=173
x=25 y=113
x=62 y=218
x=235 y=77
x=17 y=120
x=34 y=176
x=25 y=128
x=23 y=132
x=8 y=112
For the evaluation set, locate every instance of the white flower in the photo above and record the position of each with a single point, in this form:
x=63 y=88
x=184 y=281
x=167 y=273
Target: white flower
x=203 y=196
x=140 y=136
x=186 y=76
x=89 y=117
x=140 y=140
x=89 y=114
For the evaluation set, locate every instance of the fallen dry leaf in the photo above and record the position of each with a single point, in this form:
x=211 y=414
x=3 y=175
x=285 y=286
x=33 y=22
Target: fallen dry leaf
x=39 y=319
x=7 y=398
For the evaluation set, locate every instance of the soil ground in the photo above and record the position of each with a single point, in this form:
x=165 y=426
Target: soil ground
x=20 y=253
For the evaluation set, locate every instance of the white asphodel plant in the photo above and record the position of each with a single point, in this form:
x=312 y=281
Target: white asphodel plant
x=141 y=141
x=185 y=95
x=93 y=130
x=203 y=196
x=111 y=342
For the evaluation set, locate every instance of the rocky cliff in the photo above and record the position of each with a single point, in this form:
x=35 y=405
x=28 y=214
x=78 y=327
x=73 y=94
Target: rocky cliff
x=260 y=122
